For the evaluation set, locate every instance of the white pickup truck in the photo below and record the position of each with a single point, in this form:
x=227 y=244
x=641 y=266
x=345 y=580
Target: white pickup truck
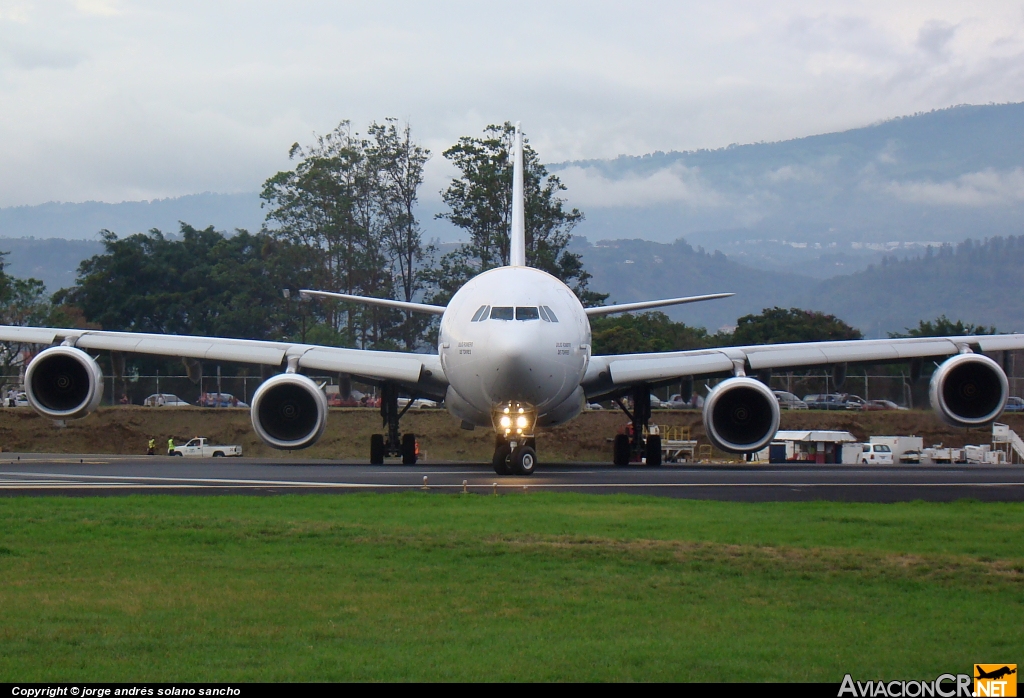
x=199 y=448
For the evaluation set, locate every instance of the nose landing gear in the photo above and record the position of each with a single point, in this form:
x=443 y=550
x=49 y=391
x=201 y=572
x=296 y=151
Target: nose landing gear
x=395 y=443
x=515 y=456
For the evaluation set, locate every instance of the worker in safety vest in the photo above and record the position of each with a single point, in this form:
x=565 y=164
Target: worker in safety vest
x=170 y=446
x=151 y=447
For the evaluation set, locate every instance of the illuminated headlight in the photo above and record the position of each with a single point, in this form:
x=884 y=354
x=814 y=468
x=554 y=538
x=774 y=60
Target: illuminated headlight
x=514 y=418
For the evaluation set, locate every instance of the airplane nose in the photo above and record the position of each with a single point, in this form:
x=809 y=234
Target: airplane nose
x=514 y=351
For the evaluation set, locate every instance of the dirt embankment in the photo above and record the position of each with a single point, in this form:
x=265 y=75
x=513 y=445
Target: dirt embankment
x=126 y=430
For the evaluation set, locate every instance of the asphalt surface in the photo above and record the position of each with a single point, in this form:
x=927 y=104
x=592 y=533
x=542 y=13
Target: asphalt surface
x=85 y=475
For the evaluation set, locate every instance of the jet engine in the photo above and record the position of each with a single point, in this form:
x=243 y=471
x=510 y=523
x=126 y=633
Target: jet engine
x=289 y=411
x=741 y=415
x=63 y=383
x=968 y=390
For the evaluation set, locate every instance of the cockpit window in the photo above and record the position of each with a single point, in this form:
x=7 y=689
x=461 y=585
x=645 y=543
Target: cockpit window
x=481 y=313
x=501 y=313
x=550 y=313
x=527 y=314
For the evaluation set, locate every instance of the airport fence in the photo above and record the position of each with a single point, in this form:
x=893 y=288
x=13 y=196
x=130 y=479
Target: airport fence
x=134 y=390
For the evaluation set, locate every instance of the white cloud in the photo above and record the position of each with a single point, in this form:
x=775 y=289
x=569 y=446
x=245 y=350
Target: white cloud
x=113 y=100
x=985 y=188
x=589 y=188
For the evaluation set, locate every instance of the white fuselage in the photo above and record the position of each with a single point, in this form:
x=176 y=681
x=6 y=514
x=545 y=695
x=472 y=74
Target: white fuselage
x=531 y=345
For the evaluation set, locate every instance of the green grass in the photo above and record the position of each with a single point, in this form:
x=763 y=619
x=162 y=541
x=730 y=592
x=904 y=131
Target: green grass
x=525 y=587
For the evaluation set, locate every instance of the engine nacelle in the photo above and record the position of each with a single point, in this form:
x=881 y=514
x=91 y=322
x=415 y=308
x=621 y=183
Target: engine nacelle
x=741 y=415
x=63 y=383
x=289 y=411
x=968 y=390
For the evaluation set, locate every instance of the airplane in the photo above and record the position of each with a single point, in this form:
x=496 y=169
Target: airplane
x=514 y=355
x=994 y=674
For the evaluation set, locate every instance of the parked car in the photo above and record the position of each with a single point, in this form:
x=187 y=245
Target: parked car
x=854 y=402
x=594 y=406
x=1014 y=404
x=220 y=400
x=164 y=400
x=874 y=405
x=676 y=402
x=829 y=401
x=789 y=400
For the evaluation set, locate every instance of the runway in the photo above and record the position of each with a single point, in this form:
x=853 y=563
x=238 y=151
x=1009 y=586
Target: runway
x=85 y=475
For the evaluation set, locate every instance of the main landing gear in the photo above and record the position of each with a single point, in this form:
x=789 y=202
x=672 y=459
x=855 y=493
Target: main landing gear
x=634 y=446
x=517 y=456
x=395 y=444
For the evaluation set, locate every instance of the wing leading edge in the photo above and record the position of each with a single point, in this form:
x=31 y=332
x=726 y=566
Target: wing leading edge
x=609 y=373
x=411 y=369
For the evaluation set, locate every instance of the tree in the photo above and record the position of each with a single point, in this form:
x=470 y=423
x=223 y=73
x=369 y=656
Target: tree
x=203 y=283
x=645 y=332
x=778 y=325
x=944 y=327
x=480 y=202
x=315 y=208
x=23 y=302
x=397 y=163
x=348 y=209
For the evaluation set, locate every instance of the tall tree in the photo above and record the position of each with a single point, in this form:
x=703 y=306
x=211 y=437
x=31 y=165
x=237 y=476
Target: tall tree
x=349 y=207
x=480 y=202
x=398 y=163
x=316 y=208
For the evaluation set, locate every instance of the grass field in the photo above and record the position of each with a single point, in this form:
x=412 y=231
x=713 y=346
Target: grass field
x=523 y=587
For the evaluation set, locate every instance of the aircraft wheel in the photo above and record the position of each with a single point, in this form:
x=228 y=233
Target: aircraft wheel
x=654 y=451
x=524 y=460
x=501 y=458
x=408 y=449
x=377 y=449
x=620 y=451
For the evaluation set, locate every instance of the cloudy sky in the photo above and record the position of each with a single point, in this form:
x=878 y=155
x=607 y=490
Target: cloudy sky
x=116 y=100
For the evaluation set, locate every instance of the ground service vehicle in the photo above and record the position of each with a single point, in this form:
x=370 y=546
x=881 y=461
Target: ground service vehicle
x=875 y=454
x=200 y=448
x=514 y=355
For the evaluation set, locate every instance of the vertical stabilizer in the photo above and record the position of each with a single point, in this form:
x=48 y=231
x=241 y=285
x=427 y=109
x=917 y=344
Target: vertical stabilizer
x=517 y=251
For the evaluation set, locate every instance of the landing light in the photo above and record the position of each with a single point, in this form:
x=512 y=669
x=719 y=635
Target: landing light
x=514 y=418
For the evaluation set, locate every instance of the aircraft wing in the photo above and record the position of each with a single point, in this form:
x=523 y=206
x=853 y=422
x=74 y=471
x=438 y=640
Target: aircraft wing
x=407 y=368
x=606 y=374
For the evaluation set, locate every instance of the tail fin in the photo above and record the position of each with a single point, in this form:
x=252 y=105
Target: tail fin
x=517 y=251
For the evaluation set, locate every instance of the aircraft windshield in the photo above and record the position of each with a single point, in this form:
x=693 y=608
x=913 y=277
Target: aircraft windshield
x=527 y=314
x=501 y=313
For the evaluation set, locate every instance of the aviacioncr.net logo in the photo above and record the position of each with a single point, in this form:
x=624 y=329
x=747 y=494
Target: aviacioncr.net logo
x=945 y=686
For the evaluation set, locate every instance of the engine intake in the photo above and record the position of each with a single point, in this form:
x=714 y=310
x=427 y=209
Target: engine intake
x=741 y=415
x=63 y=383
x=968 y=390
x=289 y=411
